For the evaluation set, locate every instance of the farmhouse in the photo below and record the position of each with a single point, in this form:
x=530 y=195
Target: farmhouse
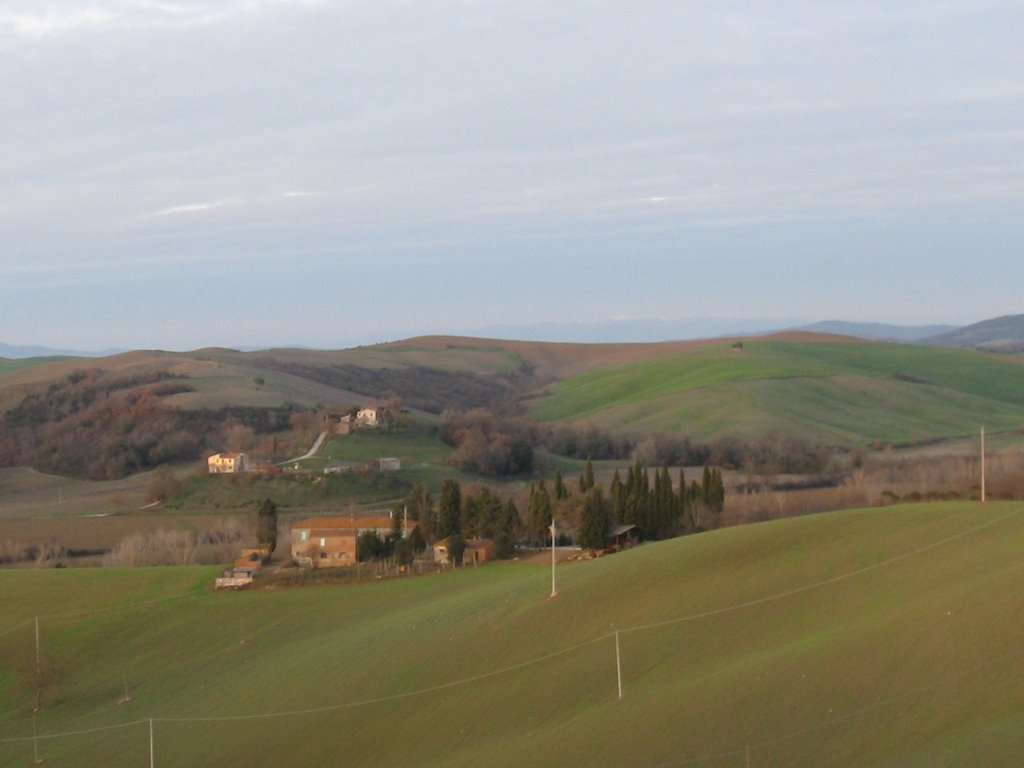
x=330 y=541
x=228 y=463
x=369 y=417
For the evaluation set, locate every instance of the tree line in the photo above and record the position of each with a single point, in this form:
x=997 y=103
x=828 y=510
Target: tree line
x=584 y=509
x=488 y=444
x=659 y=510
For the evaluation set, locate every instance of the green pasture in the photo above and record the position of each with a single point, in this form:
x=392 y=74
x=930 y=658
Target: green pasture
x=871 y=638
x=414 y=446
x=289 y=491
x=837 y=393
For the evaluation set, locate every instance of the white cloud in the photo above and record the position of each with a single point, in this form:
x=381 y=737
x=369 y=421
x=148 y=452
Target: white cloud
x=38 y=25
x=190 y=208
x=35 y=21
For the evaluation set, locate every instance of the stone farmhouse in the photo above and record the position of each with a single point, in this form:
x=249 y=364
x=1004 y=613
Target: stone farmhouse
x=332 y=541
x=371 y=416
x=228 y=463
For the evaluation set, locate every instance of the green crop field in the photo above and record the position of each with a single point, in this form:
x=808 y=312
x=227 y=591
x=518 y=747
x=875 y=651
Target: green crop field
x=867 y=638
x=828 y=392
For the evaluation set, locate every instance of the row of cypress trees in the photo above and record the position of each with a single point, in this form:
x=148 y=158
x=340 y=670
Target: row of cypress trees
x=659 y=510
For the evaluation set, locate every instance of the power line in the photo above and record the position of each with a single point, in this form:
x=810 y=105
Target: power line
x=556 y=654
x=393 y=697
x=64 y=734
x=823 y=582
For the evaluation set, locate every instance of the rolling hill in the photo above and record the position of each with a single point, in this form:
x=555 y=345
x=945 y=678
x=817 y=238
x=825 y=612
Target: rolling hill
x=868 y=639
x=831 y=391
x=1001 y=334
x=824 y=389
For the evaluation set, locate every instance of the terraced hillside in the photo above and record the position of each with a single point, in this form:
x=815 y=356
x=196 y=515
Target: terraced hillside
x=831 y=392
x=884 y=637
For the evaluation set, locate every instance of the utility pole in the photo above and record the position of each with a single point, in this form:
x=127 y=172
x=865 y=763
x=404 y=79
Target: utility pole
x=618 y=662
x=553 y=590
x=39 y=672
x=983 y=463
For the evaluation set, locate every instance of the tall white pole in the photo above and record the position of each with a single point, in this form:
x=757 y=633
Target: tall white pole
x=983 y=463
x=618 y=662
x=553 y=590
x=152 y=761
x=39 y=672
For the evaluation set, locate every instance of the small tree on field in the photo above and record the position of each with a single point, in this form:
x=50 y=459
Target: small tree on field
x=163 y=486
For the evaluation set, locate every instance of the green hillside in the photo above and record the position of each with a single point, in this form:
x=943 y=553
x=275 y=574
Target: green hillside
x=884 y=637
x=829 y=392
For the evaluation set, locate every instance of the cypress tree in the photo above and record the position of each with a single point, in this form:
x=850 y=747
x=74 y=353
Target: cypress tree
x=561 y=492
x=593 y=521
x=449 y=510
x=266 y=526
x=588 y=475
x=540 y=513
x=618 y=499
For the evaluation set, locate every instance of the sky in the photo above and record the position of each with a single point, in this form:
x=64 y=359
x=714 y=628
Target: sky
x=185 y=173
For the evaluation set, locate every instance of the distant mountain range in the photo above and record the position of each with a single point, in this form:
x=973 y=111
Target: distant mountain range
x=14 y=352
x=633 y=330
x=1001 y=334
x=908 y=334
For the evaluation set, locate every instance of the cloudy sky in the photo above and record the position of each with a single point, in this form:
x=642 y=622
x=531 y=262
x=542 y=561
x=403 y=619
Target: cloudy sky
x=183 y=173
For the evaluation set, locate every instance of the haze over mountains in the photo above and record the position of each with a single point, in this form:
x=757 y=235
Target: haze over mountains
x=1001 y=334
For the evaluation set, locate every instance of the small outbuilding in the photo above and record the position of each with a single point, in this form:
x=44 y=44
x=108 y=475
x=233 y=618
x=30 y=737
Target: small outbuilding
x=621 y=537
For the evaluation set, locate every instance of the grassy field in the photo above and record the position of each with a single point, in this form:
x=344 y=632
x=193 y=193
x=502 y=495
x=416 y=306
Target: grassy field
x=883 y=637
x=27 y=493
x=828 y=392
